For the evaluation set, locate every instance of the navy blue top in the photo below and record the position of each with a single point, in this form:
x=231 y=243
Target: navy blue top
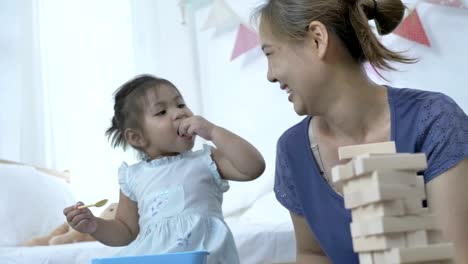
x=421 y=121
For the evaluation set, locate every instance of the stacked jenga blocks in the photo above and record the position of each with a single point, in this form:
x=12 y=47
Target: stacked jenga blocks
x=385 y=194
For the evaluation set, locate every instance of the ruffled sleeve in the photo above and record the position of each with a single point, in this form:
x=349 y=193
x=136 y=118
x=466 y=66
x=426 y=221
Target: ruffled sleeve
x=222 y=184
x=125 y=181
x=443 y=135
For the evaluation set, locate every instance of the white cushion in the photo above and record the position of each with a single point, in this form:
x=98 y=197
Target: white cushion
x=266 y=210
x=31 y=203
x=243 y=195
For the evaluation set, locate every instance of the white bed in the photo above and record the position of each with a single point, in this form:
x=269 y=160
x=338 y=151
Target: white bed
x=257 y=243
x=261 y=227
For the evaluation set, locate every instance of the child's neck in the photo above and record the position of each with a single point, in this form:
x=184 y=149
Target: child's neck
x=160 y=155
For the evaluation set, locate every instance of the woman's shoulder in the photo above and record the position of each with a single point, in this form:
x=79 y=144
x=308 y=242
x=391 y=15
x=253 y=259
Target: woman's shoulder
x=436 y=124
x=423 y=108
x=415 y=97
x=294 y=133
x=427 y=105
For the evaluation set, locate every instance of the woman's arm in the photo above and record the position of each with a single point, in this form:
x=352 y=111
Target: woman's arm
x=308 y=249
x=122 y=230
x=448 y=199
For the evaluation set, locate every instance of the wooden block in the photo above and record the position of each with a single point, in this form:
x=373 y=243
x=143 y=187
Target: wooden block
x=366 y=258
x=436 y=237
x=421 y=186
x=416 y=238
x=385 y=192
x=420 y=254
x=379 y=257
x=386 y=208
x=411 y=162
x=342 y=172
x=413 y=206
x=397 y=177
x=433 y=262
x=376 y=243
x=391 y=224
x=374 y=179
x=348 y=152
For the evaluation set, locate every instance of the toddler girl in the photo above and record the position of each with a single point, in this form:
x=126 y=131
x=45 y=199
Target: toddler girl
x=171 y=200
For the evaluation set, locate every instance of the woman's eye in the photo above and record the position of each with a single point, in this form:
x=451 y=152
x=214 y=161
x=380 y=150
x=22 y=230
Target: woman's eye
x=160 y=113
x=181 y=105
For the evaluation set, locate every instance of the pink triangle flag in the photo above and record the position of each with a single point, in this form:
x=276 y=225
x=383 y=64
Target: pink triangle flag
x=246 y=40
x=450 y=3
x=412 y=29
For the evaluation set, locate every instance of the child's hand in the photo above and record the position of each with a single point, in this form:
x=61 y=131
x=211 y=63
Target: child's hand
x=196 y=125
x=82 y=220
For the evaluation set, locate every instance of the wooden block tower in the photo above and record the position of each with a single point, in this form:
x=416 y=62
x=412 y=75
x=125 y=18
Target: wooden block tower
x=385 y=194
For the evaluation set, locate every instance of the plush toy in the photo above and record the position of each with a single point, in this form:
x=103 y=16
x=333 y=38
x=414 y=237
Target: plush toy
x=64 y=234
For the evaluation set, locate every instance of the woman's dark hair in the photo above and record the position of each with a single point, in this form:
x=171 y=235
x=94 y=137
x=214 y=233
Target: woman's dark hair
x=348 y=19
x=129 y=106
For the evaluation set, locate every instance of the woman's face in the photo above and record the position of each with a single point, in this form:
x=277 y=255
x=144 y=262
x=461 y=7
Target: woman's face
x=297 y=68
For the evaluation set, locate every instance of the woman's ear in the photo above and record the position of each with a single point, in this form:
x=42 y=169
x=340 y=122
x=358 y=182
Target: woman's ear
x=318 y=36
x=134 y=138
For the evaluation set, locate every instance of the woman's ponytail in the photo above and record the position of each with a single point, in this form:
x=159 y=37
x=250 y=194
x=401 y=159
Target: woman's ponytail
x=387 y=15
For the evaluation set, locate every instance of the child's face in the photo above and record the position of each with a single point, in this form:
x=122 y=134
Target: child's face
x=163 y=113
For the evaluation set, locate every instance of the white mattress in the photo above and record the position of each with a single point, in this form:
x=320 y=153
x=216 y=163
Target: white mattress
x=263 y=234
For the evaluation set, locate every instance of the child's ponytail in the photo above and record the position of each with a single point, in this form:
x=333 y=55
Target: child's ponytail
x=115 y=133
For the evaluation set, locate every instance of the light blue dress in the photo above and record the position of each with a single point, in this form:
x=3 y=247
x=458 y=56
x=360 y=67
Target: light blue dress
x=179 y=205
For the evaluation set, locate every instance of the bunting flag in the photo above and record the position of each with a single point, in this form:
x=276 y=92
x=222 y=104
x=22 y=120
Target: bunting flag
x=246 y=40
x=412 y=29
x=221 y=16
x=449 y=3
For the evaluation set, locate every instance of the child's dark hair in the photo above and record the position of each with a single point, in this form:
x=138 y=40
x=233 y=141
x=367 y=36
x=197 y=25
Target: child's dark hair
x=130 y=105
x=348 y=19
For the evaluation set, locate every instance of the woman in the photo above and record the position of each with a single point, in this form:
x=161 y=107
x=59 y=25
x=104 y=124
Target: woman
x=315 y=51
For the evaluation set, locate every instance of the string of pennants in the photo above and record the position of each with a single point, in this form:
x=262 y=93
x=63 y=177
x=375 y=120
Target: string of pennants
x=221 y=16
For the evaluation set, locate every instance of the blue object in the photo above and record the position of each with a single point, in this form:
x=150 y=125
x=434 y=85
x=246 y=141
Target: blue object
x=190 y=257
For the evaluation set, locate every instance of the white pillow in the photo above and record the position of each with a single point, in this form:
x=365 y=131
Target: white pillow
x=31 y=203
x=266 y=210
x=243 y=195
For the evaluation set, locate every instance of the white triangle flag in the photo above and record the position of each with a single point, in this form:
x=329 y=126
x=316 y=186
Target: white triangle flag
x=221 y=16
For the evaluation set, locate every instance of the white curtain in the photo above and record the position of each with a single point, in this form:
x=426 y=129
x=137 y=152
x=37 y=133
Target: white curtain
x=61 y=62
x=23 y=97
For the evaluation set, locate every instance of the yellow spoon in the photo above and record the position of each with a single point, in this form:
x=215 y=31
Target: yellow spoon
x=97 y=204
